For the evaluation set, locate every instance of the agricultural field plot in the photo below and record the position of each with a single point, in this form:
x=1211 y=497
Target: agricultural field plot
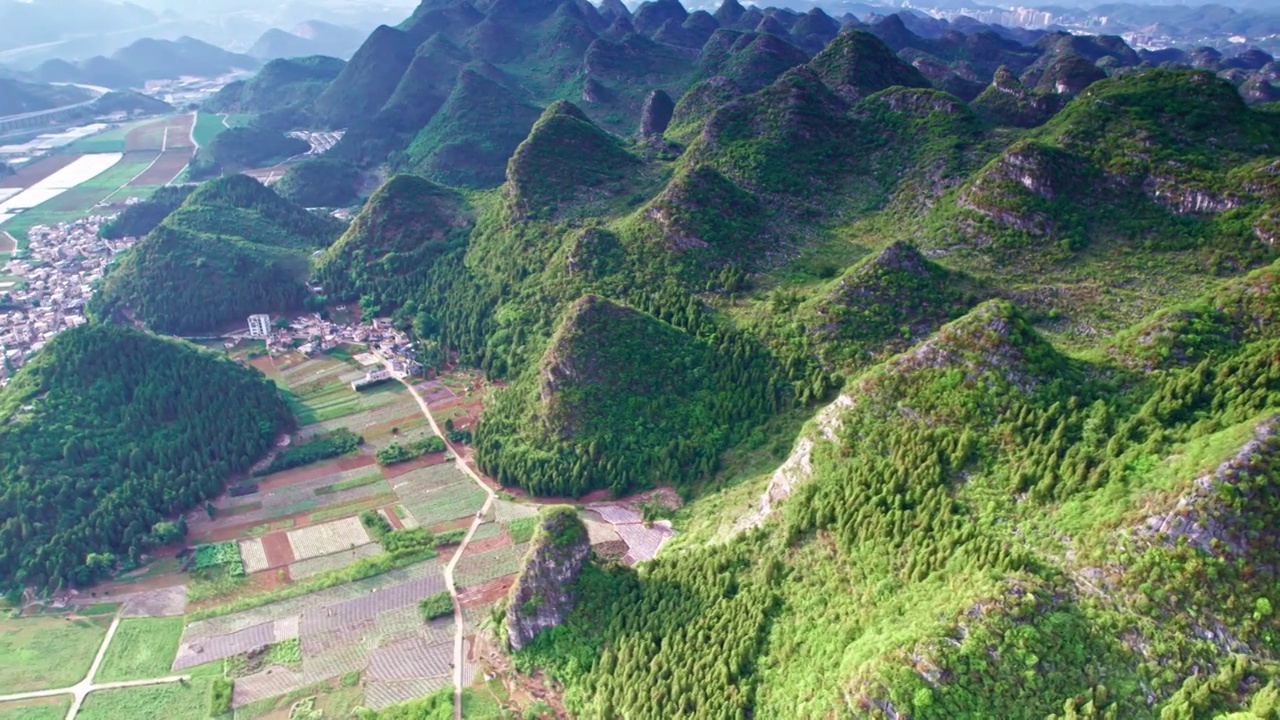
x=171 y=700
x=336 y=699
x=201 y=631
x=81 y=199
x=379 y=695
x=164 y=170
x=506 y=511
x=328 y=538
x=409 y=427
x=431 y=504
x=50 y=708
x=480 y=567
x=48 y=651
x=376 y=632
x=207 y=127
x=641 y=540
x=33 y=172
x=19 y=212
x=141 y=648
x=317 y=492
x=164 y=134
x=111 y=140
x=357 y=411
x=303 y=569
x=147 y=136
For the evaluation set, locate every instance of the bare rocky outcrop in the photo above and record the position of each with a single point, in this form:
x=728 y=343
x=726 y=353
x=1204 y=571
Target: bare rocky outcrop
x=656 y=113
x=1200 y=516
x=543 y=594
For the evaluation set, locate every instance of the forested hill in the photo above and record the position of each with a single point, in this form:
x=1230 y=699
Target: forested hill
x=960 y=439
x=106 y=436
x=232 y=248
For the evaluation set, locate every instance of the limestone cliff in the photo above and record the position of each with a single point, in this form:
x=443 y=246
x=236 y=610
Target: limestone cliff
x=542 y=596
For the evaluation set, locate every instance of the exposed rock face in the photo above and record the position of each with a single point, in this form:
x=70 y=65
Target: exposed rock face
x=656 y=114
x=1201 y=517
x=543 y=596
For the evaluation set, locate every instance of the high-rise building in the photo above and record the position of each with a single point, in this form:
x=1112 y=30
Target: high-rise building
x=259 y=326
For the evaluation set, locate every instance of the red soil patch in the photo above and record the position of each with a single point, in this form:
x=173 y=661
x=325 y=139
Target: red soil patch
x=391 y=472
x=147 y=137
x=279 y=551
x=446 y=553
x=393 y=518
x=313 y=472
x=256 y=584
x=240 y=531
x=164 y=169
x=451 y=525
x=485 y=593
x=180 y=131
x=493 y=543
x=33 y=172
x=265 y=366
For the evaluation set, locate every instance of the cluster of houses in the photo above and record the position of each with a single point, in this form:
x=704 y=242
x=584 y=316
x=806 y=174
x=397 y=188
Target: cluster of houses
x=55 y=276
x=310 y=334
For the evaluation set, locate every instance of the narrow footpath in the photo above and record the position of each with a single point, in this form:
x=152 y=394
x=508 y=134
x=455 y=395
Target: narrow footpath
x=448 y=570
x=86 y=686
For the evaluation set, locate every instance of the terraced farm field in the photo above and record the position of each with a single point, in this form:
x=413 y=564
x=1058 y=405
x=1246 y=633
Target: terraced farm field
x=438 y=494
x=370 y=627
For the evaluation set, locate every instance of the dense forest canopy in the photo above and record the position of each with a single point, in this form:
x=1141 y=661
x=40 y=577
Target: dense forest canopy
x=108 y=435
x=232 y=248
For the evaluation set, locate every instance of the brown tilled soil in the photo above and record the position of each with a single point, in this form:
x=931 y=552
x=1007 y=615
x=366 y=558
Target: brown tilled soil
x=396 y=522
x=146 y=137
x=265 y=366
x=493 y=543
x=485 y=593
x=451 y=525
x=180 y=131
x=164 y=169
x=33 y=172
x=279 y=551
x=256 y=584
x=313 y=472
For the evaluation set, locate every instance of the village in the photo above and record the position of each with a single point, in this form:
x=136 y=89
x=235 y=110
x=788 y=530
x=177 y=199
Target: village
x=55 y=276
x=311 y=335
x=49 y=283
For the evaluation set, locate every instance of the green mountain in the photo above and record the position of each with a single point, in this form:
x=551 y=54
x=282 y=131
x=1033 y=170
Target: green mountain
x=17 y=96
x=280 y=84
x=106 y=437
x=973 y=405
x=883 y=304
x=682 y=398
x=388 y=250
x=319 y=182
x=564 y=158
x=468 y=141
x=233 y=248
x=858 y=63
x=1178 y=154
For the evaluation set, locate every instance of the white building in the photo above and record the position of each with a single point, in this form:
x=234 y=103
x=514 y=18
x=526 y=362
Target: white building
x=259 y=326
x=371 y=377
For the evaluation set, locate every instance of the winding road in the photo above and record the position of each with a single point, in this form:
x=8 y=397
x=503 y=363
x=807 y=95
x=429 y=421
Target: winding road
x=453 y=561
x=86 y=686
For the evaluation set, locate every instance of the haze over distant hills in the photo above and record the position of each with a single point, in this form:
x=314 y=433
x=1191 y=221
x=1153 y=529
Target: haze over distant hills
x=39 y=30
